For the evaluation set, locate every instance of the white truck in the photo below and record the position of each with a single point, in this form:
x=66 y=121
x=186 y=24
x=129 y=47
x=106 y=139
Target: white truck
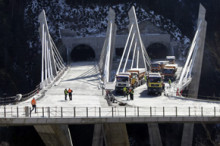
x=123 y=79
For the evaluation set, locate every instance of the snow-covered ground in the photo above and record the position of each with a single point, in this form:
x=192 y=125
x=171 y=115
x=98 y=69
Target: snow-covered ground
x=82 y=78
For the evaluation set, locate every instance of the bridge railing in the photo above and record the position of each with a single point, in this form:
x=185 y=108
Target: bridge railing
x=21 y=97
x=107 y=112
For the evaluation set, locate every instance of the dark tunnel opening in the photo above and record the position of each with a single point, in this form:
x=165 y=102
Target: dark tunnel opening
x=157 y=51
x=82 y=53
x=119 y=52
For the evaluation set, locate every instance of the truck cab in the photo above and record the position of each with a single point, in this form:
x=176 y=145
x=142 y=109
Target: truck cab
x=169 y=72
x=155 y=67
x=123 y=79
x=155 y=83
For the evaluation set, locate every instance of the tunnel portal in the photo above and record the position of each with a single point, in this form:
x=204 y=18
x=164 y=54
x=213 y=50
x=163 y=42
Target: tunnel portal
x=157 y=51
x=82 y=53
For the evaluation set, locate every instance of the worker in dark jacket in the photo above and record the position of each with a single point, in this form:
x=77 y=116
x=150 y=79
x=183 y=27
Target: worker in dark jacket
x=65 y=94
x=131 y=92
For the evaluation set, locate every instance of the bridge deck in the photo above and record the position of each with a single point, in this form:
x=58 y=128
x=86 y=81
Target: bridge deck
x=82 y=78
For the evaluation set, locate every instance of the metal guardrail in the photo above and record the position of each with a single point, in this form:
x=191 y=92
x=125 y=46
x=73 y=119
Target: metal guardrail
x=15 y=99
x=107 y=112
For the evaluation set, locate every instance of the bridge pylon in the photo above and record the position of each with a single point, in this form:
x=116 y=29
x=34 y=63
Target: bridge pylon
x=134 y=44
x=192 y=70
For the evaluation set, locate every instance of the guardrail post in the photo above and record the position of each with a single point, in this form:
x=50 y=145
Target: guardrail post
x=43 y=111
x=87 y=112
x=214 y=111
x=163 y=111
x=4 y=111
x=189 y=111
x=150 y=111
x=125 y=112
x=17 y=112
x=74 y=112
x=138 y=110
x=100 y=112
x=112 y=112
x=48 y=112
x=202 y=111
x=176 y=111
x=61 y=112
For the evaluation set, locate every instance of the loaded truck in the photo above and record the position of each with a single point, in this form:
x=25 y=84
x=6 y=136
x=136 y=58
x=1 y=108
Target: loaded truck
x=169 y=72
x=123 y=79
x=155 y=83
x=155 y=67
x=137 y=76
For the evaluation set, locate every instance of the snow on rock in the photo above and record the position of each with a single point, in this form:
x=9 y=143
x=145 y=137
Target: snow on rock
x=92 y=20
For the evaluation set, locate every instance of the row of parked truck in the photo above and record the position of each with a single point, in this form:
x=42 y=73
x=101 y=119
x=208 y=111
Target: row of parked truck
x=167 y=68
x=160 y=71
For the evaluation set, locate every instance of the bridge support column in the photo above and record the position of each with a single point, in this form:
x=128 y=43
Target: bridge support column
x=98 y=135
x=54 y=135
x=115 y=135
x=154 y=134
x=187 y=137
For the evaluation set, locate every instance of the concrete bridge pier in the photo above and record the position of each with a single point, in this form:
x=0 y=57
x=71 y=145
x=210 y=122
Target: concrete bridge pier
x=115 y=135
x=98 y=135
x=54 y=135
x=154 y=134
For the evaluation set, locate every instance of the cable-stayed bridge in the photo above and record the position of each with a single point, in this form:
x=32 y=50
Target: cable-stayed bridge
x=90 y=79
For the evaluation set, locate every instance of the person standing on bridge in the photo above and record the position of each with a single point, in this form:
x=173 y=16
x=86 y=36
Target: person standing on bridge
x=131 y=92
x=70 y=93
x=169 y=81
x=65 y=94
x=125 y=91
x=33 y=103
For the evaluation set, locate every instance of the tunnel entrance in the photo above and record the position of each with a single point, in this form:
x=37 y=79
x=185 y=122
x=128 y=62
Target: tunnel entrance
x=82 y=53
x=119 y=52
x=157 y=51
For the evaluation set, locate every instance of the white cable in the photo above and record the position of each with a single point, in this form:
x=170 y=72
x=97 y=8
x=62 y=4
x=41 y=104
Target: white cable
x=124 y=50
x=135 y=46
x=128 y=52
x=42 y=60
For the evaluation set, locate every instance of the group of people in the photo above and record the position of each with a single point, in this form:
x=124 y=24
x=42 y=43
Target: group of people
x=66 y=92
x=127 y=91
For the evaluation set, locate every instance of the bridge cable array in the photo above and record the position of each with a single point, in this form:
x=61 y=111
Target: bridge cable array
x=136 y=44
x=192 y=58
x=52 y=62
